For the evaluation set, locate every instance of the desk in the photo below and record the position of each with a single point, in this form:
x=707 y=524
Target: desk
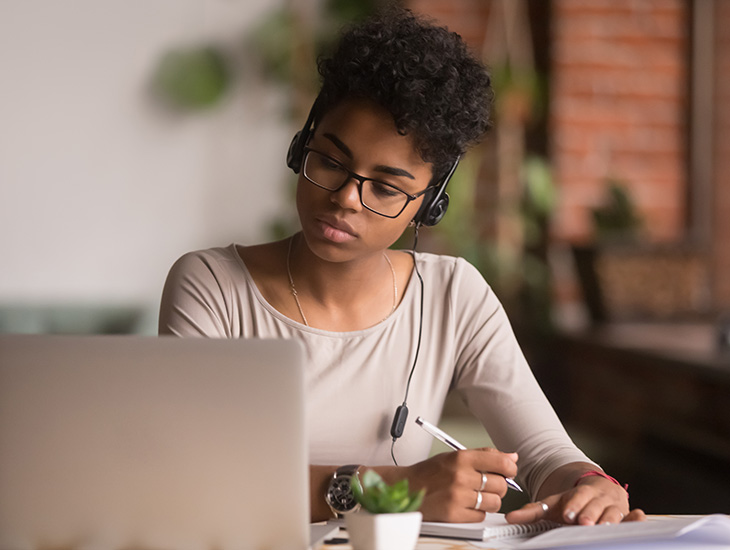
x=424 y=543
x=715 y=537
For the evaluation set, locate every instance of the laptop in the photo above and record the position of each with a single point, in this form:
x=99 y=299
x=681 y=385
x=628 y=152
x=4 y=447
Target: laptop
x=160 y=443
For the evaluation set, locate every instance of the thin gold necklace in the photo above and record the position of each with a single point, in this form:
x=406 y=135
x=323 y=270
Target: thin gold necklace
x=296 y=297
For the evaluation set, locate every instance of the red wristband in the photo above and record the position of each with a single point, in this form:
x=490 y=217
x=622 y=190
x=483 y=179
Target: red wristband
x=604 y=475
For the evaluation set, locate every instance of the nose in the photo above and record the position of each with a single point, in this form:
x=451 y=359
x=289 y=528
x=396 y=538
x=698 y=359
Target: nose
x=347 y=197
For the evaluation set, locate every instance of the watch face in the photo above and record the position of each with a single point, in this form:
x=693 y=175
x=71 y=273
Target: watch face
x=340 y=495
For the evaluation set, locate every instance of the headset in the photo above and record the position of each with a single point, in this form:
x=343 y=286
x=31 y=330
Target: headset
x=433 y=207
x=430 y=213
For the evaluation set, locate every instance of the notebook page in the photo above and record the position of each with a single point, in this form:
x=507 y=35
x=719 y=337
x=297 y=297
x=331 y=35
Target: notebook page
x=493 y=526
x=705 y=531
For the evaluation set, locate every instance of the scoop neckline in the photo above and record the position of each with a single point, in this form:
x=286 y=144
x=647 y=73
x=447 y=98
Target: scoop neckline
x=407 y=296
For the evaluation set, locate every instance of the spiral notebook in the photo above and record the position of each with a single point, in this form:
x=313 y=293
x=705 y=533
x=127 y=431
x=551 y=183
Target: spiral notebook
x=494 y=526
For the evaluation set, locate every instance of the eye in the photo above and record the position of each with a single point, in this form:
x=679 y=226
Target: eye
x=384 y=190
x=326 y=163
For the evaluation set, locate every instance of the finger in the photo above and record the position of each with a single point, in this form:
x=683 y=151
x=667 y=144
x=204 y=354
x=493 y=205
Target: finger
x=574 y=502
x=591 y=512
x=637 y=514
x=459 y=505
x=491 y=483
x=491 y=460
x=476 y=503
x=611 y=514
x=452 y=506
x=491 y=502
x=483 y=481
x=534 y=511
x=512 y=456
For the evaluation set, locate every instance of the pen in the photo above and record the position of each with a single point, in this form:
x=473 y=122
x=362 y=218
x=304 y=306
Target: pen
x=451 y=442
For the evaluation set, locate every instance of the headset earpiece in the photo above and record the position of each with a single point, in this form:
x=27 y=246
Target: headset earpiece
x=296 y=152
x=433 y=209
x=436 y=211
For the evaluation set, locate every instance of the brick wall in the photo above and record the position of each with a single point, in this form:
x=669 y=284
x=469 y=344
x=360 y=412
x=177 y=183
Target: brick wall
x=618 y=101
x=618 y=104
x=618 y=108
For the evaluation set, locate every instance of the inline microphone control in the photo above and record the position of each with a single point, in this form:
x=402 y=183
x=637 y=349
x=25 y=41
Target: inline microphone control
x=399 y=421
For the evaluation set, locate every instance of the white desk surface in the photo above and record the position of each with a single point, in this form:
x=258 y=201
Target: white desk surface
x=432 y=543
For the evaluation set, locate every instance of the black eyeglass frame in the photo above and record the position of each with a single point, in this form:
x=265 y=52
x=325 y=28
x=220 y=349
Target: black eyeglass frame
x=360 y=181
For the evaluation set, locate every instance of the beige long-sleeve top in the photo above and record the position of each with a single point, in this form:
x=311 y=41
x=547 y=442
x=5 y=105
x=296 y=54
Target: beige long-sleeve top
x=355 y=380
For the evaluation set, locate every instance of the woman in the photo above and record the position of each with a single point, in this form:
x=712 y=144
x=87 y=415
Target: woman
x=401 y=100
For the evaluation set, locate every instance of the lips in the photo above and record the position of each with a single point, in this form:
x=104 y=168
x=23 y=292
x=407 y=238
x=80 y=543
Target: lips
x=335 y=229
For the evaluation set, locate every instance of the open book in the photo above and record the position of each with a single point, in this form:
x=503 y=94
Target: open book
x=494 y=526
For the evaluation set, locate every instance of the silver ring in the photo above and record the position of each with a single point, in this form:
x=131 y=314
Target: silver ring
x=484 y=481
x=479 y=500
x=544 y=506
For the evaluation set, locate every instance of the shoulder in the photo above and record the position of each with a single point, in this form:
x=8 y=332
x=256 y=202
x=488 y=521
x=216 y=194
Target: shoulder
x=210 y=270
x=452 y=271
x=198 y=291
x=212 y=261
x=265 y=260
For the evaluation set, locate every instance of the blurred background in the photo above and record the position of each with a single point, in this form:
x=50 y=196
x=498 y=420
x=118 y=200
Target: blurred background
x=133 y=132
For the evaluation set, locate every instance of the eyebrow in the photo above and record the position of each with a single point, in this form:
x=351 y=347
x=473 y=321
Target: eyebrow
x=391 y=170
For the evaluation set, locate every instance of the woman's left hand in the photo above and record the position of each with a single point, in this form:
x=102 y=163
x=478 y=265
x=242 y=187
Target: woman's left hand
x=594 y=500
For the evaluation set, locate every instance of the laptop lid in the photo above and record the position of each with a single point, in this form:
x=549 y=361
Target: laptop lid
x=138 y=442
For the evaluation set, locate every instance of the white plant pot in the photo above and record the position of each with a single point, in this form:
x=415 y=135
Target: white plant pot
x=383 y=531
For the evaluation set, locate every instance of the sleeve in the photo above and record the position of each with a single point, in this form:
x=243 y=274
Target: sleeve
x=498 y=386
x=194 y=299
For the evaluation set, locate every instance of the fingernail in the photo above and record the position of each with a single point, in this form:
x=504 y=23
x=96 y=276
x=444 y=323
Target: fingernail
x=570 y=514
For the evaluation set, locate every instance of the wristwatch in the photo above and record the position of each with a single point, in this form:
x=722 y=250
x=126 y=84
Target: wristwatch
x=339 y=494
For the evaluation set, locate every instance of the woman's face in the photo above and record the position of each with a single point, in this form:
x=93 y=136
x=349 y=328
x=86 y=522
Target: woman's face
x=363 y=138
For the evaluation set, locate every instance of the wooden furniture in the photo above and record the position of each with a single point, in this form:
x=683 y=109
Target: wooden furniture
x=656 y=397
x=650 y=380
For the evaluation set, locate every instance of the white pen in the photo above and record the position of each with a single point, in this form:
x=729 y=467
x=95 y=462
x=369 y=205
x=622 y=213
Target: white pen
x=451 y=442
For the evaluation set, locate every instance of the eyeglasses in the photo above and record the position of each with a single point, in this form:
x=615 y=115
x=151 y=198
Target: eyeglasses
x=377 y=196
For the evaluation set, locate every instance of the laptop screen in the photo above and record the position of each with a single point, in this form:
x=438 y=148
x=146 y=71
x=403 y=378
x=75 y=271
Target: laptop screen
x=144 y=442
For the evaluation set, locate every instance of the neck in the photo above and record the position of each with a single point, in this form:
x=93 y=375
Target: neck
x=329 y=281
x=359 y=291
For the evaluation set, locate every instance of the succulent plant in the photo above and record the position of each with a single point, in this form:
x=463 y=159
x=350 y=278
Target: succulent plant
x=377 y=497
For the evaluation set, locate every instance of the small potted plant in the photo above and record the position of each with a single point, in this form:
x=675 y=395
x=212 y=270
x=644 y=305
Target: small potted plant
x=388 y=519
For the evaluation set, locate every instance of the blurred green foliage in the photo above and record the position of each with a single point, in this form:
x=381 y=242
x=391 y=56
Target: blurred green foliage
x=275 y=40
x=617 y=219
x=278 y=35
x=193 y=78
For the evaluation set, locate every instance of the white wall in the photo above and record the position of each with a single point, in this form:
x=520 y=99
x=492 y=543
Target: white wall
x=101 y=189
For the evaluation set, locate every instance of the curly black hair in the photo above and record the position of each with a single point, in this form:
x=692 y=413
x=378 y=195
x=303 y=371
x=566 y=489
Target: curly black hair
x=423 y=74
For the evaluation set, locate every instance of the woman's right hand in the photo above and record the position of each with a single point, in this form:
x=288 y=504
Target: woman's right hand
x=453 y=481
